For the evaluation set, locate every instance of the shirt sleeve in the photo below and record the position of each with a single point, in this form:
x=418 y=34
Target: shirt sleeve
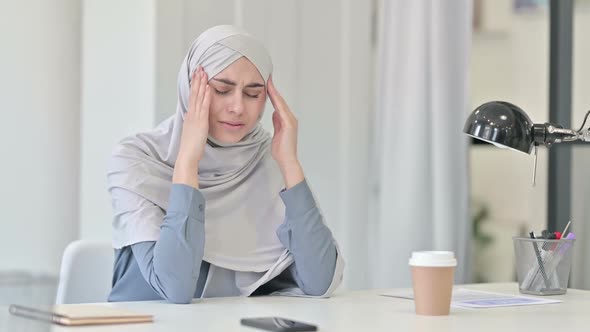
x=171 y=265
x=309 y=240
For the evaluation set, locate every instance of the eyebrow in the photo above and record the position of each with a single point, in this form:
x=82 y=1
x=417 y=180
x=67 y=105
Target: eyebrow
x=229 y=82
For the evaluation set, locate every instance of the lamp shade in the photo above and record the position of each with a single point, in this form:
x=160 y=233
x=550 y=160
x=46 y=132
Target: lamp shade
x=502 y=124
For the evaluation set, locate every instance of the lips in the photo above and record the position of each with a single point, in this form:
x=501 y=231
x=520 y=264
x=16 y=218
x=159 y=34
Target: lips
x=232 y=125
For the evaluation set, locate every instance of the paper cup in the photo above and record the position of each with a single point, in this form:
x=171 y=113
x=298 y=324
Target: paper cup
x=432 y=279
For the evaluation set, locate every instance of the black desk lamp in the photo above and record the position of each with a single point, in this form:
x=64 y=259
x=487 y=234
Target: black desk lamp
x=507 y=126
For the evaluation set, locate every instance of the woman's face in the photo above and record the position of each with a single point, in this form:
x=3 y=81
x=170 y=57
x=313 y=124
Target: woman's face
x=237 y=101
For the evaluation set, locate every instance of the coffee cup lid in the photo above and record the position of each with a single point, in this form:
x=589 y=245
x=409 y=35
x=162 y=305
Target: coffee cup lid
x=433 y=258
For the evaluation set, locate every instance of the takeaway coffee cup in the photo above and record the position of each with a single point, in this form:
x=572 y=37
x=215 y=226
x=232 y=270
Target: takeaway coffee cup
x=432 y=280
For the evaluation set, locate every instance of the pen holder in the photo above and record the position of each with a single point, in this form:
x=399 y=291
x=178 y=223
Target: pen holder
x=543 y=266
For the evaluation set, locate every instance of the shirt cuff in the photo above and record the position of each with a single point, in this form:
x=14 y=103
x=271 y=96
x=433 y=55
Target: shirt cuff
x=186 y=200
x=298 y=200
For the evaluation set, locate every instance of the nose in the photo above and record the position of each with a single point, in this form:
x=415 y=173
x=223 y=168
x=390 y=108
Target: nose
x=237 y=104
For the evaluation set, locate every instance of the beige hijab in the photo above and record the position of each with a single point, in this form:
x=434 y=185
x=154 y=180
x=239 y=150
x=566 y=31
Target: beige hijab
x=240 y=181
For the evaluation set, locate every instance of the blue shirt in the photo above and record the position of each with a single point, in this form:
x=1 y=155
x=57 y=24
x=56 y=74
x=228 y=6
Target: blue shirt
x=173 y=268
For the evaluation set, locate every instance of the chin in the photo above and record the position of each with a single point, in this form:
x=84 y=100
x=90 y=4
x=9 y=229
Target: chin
x=227 y=138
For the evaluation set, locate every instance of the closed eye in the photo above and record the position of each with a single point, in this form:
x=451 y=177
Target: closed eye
x=222 y=92
x=247 y=92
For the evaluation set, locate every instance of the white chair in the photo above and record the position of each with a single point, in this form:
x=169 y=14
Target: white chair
x=86 y=272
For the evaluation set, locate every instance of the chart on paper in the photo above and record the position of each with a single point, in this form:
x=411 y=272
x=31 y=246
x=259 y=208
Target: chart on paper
x=467 y=298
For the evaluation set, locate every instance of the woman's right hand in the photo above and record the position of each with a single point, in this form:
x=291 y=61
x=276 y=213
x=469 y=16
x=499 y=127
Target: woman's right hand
x=195 y=131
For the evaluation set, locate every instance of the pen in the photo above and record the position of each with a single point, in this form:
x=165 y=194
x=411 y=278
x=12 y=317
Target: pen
x=565 y=229
x=539 y=260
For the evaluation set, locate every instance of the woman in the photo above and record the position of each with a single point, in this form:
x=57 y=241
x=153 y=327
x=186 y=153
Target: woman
x=208 y=204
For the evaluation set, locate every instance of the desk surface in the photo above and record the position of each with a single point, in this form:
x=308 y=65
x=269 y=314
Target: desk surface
x=354 y=311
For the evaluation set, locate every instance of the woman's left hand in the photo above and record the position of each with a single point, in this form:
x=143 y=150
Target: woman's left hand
x=284 y=141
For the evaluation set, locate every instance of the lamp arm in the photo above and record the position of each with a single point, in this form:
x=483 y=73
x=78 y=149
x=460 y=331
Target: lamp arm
x=548 y=134
x=557 y=134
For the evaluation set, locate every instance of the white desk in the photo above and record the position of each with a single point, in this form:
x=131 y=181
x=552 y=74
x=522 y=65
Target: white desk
x=358 y=311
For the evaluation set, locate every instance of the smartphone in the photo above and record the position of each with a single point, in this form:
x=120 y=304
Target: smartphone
x=277 y=324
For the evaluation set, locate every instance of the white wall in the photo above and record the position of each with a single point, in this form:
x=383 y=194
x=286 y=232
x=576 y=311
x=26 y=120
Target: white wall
x=118 y=95
x=39 y=103
x=170 y=52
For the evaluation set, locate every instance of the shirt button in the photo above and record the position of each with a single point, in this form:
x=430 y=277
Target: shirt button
x=201 y=208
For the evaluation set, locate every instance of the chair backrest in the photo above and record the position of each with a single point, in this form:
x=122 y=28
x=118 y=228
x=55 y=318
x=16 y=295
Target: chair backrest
x=86 y=272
